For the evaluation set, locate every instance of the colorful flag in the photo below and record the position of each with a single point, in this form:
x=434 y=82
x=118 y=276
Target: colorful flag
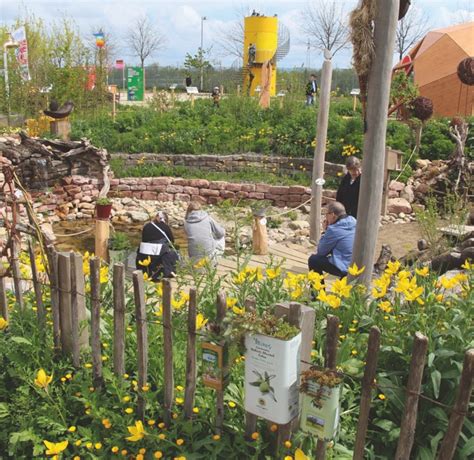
x=21 y=52
x=119 y=64
x=99 y=39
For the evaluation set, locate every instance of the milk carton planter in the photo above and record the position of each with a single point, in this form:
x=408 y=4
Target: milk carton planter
x=271 y=377
x=320 y=394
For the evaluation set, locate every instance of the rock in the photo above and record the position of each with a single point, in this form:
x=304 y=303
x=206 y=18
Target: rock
x=398 y=205
x=446 y=261
x=299 y=224
x=422 y=244
x=420 y=163
x=397 y=186
x=468 y=243
x=138 y=216
x=467 y=254
x=401 y=215
x=408 y=194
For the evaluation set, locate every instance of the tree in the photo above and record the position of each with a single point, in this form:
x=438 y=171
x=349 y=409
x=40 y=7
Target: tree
x=144 y=40
x=198 y=62
x=324 y=23
x=410 y=30
x=232 y=36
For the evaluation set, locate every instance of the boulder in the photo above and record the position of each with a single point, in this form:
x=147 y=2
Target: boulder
x=299 y=224
x=408 y=194
x=398 y=205
x=397 y=186
x=138 y=216
x=420 y=163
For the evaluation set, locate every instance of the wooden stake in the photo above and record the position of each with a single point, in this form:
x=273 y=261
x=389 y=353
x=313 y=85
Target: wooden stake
x=16 y=274
x=168 y=389
x=75 y=326
x=3 y=300
x=259 y=235
x=119 y=319
x=64 y=281
x=53 y=283
x=190 y=389
x=366 y=397
x=320 y=150
x=371 y=184
x=78 y=305
x=407 y=428
x=250 y=419
x=142 y=339
x=221 y=312
x=101 y=238
x=95 y=322
x=40 y=312
x=459 y=412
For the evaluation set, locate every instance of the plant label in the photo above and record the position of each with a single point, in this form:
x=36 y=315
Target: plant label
x=271 y=377
x=213 y=360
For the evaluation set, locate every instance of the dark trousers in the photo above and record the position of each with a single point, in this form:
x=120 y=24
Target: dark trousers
x=321 y=264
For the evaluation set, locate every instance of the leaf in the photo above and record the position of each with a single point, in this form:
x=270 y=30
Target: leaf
x=436 y=380
x=384 y=424
x=435 y=442
x=439 y=414
x=424 y=454
x=431 y=358
x=4 y=412
x=17 y=339
x=468 y=449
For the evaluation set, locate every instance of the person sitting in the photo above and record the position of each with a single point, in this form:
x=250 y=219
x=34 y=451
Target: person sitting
x=157 y=256
x=348 y=191
x=334 y=251
x=206 y=238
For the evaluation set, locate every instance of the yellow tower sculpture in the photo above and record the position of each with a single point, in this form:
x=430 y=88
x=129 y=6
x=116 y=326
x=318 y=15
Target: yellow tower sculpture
x=260 y=45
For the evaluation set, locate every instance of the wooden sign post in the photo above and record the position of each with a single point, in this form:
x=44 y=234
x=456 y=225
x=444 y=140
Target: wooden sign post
x=259 y=234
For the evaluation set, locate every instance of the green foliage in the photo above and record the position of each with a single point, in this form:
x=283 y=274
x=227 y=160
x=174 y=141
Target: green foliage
x=119 y=241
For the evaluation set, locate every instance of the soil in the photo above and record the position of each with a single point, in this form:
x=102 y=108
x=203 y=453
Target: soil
x=402 y=238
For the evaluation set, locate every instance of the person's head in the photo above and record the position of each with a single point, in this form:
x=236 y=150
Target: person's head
x=353 y=167
x=312 y=76
x=193 y=206
x=161 y=216
x=334 y=211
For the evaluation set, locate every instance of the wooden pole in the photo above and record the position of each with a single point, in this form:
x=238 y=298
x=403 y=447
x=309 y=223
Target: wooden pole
x=221 y=312
x=53 y=282
x=16 y=274
x=40 y=312
x=168 y=389
x=75 y=326
x=461 y=406
x=259 y=235
x=78 y=305
x=64 y=281
x=371 y=186
x=142 y=339
x=407 y=428
x=190 y=389
x=101 y=238
x=366 y=397
x=95 y=322
x=250 y=419
x=330 y=360
x=119 y=319
x=3 y=300
x=320 y=149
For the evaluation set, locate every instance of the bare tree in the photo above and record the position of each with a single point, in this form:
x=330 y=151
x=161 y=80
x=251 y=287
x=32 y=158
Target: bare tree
x=144 y=40
x=324 y=23
x=232 y=36
x=410 y=30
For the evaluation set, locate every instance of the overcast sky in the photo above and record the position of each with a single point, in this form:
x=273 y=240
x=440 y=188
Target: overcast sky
x=180 y=21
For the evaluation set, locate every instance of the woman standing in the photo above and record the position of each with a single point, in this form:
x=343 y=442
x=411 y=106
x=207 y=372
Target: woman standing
x=348 y=191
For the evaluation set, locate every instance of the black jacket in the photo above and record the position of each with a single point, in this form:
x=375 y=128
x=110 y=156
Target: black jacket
x=151 y=234
x=348 y=194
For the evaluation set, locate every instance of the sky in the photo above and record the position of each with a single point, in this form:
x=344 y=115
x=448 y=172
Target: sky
x=180 y=21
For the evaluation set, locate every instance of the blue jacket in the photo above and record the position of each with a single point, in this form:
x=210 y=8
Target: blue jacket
x=338 y=241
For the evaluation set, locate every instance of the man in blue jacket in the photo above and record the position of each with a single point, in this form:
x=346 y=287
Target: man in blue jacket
x=334 y=252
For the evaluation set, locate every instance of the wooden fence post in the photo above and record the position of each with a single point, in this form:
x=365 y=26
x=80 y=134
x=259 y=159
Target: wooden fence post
x=95 y=322
x=75 y=326
x=53 y=283
x=366 y=396
x=16 y=273
x=250 y=419
x=64 y=281
x=190 y=388
x=3 y=300
x=221 y=312
x=142 y=339
x=407 y=428
x=40 y=313
x=119 y=319
x=330 y=360
x=461 y=406
x=168 y=390
x=78 y=304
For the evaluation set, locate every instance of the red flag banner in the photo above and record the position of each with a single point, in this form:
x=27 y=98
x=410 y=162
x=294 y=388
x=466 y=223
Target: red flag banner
x=119 y=64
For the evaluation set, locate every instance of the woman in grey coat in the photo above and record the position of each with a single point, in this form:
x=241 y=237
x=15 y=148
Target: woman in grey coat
x=206 y=238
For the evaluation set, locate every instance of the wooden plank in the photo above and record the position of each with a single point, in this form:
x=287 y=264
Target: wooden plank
x=142 y=339
x=119 y=319
x=74 y=312
x=3 y=300
x=78 y=288
x=15 y=248
x=53 y=283
x=97 y=378
x=40 y=311
x=250 y=419
x=168 y=390
x=190 y=388
x=220 y=408
x=64 y=282
x=407 y=428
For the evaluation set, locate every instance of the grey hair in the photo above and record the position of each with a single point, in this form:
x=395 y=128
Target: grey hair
x=337 y=208
x=352 y=162
x=161 y=216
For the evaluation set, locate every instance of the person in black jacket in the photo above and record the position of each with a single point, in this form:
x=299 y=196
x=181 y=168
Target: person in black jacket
x=348 y=191
x=157 y=256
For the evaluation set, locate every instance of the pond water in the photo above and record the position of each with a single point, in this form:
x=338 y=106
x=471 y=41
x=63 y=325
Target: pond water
x=68 y=238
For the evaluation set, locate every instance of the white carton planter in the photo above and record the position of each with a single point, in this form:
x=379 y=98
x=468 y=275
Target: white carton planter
x=272 y=368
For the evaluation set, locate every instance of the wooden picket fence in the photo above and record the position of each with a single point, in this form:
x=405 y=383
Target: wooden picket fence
x=68 y=304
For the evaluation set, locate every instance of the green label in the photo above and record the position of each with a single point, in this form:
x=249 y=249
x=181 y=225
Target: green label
x=135 y=83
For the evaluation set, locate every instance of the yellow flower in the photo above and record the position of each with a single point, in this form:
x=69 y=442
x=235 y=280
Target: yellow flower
x=137 y=431
x=467 y=264
x=382 y=396
x=216 y=437
x=231 y=302
x=158 y=454
x=341 y=288
x=200 y=263
x=72 y=429
x=55 y=448
x=255 y=436
x=124 y=452
x=179 y=400
x=42 y=380
x=162 y=436
x=114 y=449
x=354 y=270
x=196 y=410
x=98 y=445
x=287 y=444
x=238 y=311
x=180 y=442
x=385 y=306
x=231 y=404
x=126 y=399
x=354 y=352
x=129 y=410
x=332 y=300
x=272 y=273
x=145 y=263
x=161 y=425
x=146 y=277
x=200 y=321
x=3 y=323
x=288 y=457
x=300 y=455
x=392 y=267
x=104 y=274
x=422 y=271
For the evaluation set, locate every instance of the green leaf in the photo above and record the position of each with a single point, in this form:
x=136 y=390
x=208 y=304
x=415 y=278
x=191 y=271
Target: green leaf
x=436 y=380
x=424 y=454
x=17 y=339
x=384 y=424
x=468 y=449
x=431 y=358
x=439 y=414
x=435 y=442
